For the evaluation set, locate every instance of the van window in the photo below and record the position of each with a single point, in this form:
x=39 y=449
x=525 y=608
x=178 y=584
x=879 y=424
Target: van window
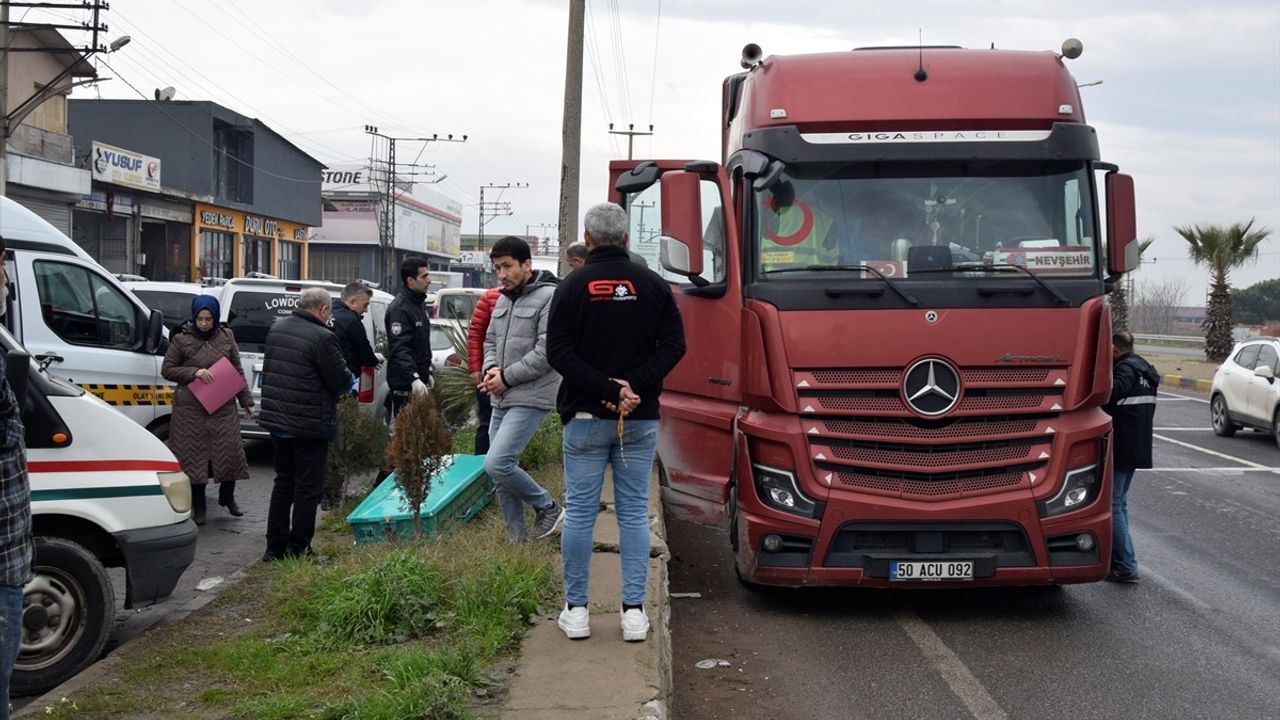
x=253 y=314
x=83 y=309
x=378 y=313
x=175 y=306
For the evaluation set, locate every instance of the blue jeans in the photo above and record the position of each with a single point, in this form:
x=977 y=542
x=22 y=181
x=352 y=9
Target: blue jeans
x=510 y=430
x=10 y=639
x=590 y=445
x=1123 y=559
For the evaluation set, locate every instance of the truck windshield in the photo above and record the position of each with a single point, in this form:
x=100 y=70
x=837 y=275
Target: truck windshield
x=970 y=220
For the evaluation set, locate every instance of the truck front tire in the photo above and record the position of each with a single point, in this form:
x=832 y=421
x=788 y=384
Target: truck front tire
x=67 y=612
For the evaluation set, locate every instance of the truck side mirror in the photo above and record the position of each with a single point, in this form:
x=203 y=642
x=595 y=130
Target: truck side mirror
x=681 y=251
x=155 y=332
x=1122 y=224
x=17 y=368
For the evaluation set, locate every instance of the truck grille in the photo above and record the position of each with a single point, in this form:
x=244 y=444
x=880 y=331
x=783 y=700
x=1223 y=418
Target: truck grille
x=862 y=435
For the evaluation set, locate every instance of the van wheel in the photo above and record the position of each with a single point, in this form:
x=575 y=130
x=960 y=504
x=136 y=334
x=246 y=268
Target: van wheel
x=160 y=429
x=67 y=612
x=1221 y=417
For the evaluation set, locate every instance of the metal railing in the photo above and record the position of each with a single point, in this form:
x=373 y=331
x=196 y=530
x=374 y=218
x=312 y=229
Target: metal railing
x=1194 y=340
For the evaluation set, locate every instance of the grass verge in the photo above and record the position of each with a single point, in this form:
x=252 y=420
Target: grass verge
x=385 y=631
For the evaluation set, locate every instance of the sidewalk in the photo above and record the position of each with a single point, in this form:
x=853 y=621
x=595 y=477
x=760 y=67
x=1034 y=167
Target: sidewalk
x=602 y=677
x=1182 y=371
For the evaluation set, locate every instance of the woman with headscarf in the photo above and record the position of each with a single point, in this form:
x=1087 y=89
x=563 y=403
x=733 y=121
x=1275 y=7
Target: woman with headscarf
x=207 y=444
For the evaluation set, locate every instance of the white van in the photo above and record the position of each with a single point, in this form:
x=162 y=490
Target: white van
x=104 y=493
x=78 y=321
x=250 y=306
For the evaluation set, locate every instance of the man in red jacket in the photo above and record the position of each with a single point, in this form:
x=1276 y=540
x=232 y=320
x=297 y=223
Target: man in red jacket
x=475 y=362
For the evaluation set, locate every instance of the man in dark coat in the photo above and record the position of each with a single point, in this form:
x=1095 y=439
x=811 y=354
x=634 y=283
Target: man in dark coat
x=348 y=325
x=408 y=334
x=303 y=375
x=1132 y=408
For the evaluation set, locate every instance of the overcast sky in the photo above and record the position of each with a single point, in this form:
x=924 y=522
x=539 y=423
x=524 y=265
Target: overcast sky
x=1189 y=104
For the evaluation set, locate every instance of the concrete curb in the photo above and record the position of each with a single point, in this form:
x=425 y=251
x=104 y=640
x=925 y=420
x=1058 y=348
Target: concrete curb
x=601 y=677
x=1179 y=381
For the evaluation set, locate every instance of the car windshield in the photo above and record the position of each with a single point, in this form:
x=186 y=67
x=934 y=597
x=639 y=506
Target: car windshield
x=973 y=219
x=440 y=339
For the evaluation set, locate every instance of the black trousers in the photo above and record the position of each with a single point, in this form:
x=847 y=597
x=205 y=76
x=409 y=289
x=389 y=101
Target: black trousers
x=300 y=471
x=484 y=410
x=226 y=495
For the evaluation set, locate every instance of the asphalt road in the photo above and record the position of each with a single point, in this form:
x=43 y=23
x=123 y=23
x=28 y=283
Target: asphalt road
x=1198 y=638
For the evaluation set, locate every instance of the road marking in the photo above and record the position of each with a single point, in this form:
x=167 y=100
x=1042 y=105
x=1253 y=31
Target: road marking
x=1169 y=585
x=1210 y=469
x=1176 y=396
x=1207 y=428
x=1224 y=456
x=962 y=682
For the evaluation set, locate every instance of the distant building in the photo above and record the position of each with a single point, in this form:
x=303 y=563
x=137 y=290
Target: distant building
x=184 y=190
x=40 y=156
x=349 y=242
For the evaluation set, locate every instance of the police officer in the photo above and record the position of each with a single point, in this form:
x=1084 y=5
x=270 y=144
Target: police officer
x=408 y=334
x=1132 y=408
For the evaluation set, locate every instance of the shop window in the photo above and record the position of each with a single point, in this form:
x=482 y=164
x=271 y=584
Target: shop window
x=81 y=308
x=290 y=261
x=216 y=254
x=339 y=266
x=257 y=255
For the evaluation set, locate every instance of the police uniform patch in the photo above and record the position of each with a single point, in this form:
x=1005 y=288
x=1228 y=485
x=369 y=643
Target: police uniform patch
x=395 y=328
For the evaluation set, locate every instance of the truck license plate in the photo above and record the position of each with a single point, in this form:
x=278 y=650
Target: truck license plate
x=931 y=571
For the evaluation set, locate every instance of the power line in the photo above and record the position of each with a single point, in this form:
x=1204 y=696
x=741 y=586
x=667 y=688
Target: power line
x=653 y=84
x=160 y=106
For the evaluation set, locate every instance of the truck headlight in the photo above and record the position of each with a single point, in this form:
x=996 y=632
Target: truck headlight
x=1079 y=488
x=777 y=489
x=177 y=490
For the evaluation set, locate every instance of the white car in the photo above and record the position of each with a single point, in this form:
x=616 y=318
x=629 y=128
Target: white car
x=443 y=353
x=172 y=299
x=1246 y=391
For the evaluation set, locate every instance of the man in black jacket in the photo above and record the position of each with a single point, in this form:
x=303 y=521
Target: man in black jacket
x=1132 y=408
x=348 y=325
x=408 y=334
x=303 y=375
x=613 y=334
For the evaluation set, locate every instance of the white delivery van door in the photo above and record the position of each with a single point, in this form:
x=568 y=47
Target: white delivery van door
x=96 y=333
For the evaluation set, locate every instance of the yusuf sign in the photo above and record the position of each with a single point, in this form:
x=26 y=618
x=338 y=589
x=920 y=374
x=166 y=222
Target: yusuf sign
x=125 y=167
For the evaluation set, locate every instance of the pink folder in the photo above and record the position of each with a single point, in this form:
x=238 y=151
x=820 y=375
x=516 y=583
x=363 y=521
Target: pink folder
x=226 y=383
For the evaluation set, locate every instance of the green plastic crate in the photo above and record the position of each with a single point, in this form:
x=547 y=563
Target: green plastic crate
x=460 y=491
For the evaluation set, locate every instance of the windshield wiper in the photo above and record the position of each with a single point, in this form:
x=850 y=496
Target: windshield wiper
x=999 y=267
x=842 y=268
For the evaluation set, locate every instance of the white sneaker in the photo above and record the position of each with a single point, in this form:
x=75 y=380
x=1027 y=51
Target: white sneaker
x=576 y=623
x=635 y=625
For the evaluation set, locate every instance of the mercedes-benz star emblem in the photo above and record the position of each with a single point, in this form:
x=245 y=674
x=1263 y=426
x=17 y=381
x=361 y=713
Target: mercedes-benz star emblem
x=931 y=387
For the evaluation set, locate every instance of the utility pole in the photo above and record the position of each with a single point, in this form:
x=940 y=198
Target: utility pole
x=631 y=134
x=11 y=118
x=495 y=208
x=571 y=129
x=543 y=227
x=390 y=178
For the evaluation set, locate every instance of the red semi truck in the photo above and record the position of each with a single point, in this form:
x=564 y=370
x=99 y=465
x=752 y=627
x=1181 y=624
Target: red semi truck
x=894 y=291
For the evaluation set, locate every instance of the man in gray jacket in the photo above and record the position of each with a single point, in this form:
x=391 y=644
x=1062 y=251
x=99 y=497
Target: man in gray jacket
x=522 y=385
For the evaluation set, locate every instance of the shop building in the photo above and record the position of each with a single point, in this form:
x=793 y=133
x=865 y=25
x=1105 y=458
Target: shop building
x=351 y=243
x=187 y=190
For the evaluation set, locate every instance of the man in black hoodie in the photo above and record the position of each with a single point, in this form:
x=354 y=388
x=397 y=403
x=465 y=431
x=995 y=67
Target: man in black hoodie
x=613 y=334
x=1132 y=408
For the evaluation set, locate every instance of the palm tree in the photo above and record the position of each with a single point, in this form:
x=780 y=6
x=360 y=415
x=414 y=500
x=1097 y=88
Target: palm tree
x=1120 y=297
x=1221 y=249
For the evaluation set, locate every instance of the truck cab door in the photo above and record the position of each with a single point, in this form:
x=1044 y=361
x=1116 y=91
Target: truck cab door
x=701 y=396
